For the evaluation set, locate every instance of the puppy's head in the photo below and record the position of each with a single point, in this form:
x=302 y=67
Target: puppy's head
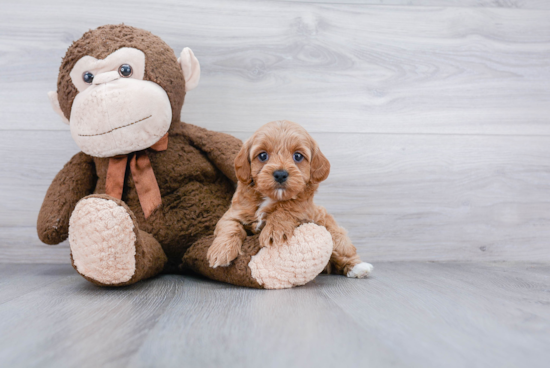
x=280 y=160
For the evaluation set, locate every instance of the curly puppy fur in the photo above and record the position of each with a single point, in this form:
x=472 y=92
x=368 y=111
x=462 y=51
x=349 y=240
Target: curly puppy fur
x=266 y=204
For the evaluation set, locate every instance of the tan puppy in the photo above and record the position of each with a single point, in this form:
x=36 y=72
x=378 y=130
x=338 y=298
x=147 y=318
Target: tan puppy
x=279 y=169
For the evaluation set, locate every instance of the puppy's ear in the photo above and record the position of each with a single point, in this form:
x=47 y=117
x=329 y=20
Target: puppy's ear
x=242 y=164
x=320 y=167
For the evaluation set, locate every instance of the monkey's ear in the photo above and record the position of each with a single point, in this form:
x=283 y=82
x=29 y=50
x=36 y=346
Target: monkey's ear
x=190 y=67
x=55 y=105
x=242 y=164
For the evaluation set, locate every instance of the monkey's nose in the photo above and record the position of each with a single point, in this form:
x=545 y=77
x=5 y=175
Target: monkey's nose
x=106 y=77
x=280 y=176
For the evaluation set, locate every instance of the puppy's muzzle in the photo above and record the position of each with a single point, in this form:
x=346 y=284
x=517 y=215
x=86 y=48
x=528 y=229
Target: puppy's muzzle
x=280 y=176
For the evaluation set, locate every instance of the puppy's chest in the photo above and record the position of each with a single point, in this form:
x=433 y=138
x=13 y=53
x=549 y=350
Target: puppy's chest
x=260 y=216
x=257 y=222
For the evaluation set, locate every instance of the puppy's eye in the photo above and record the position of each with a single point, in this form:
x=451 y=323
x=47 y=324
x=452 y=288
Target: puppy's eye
x=88 y=77
x=125 y=70
x=298 y=157
x=263 y=156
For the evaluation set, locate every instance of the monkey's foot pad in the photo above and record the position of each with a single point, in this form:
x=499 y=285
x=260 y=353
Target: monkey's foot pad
x=296 y=262
x=102 y=237
x=281 y=266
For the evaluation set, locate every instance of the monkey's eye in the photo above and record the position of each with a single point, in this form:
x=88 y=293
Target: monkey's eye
x=298 y=157
x=88 y=77
x=125 y=70
x=263 y=156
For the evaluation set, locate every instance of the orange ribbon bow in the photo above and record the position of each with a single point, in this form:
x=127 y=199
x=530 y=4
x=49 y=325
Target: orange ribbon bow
x=142 y=172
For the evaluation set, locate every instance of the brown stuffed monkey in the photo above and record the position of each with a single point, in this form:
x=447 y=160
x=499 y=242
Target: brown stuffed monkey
x=144 y=195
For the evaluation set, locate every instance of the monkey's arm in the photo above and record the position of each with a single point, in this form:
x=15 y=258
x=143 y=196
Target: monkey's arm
x=76 y=180
x=220 y=148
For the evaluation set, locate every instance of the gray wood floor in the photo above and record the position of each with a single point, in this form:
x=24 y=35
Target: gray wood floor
x=410 y=314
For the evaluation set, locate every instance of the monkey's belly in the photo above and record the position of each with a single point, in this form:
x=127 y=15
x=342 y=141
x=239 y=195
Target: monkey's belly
x=188 y=214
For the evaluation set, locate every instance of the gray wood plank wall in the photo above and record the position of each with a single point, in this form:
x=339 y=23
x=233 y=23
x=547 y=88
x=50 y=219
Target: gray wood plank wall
x=434 y=114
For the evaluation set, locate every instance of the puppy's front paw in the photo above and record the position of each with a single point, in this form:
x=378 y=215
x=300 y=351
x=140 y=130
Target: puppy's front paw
x=276 y=234
x=223 y=251
x=360 y=270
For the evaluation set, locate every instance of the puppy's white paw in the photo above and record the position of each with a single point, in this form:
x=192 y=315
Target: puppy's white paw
x=360 y=270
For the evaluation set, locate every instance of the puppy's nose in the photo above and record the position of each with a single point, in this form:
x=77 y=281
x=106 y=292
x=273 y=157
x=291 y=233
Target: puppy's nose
x=280 y=176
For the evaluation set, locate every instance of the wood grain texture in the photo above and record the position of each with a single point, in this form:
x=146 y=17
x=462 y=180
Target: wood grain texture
x=19 y=279
x=71 y=323
x=515 y=4
x=406 y=315
x=418 y=197
x=452 y=315
x=21 y=245
x=331 y=67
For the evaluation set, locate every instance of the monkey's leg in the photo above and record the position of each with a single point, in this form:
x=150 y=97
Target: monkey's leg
x=107 y=247
x=281 y=266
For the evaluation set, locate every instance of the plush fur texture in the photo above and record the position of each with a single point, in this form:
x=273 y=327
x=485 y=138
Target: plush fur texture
x=195 y=174
x=295 y=262
x=116 y=115
x=238 y=273
x=112 y=242
x=161 y=66
x=103 y=267
x=110 y=255
x=277 y=208
x=289 y=265
x=195 y=192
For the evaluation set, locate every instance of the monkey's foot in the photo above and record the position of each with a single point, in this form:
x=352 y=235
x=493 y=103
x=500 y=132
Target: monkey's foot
x=107 y=248
x=295 y=262
x=292 y=263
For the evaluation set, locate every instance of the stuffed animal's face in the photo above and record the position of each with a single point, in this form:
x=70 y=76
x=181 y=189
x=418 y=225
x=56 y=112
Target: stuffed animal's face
x=116 y=111
x=120 y=88
x=281 y=159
